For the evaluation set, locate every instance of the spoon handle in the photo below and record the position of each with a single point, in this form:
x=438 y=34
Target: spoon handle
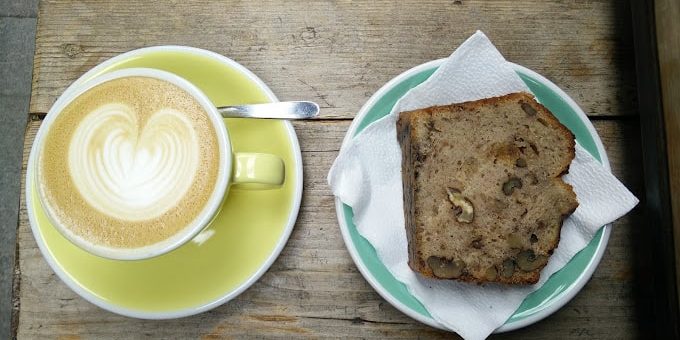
x=278 y=110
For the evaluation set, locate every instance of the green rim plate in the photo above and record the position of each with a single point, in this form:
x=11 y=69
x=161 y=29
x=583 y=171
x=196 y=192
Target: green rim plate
x=560 y=287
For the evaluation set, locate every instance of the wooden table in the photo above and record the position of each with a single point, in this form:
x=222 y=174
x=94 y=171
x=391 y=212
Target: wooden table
x=339 y=53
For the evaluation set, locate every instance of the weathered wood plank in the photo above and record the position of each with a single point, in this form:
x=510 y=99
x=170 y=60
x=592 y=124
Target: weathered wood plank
x=338 y=53
x=668 y=45
x=314 y=290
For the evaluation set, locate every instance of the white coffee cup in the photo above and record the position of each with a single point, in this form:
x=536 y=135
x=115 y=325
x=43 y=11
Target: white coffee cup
x=253 y=170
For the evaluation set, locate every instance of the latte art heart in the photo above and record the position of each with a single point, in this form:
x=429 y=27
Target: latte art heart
x=133 y=169
x=129 y=163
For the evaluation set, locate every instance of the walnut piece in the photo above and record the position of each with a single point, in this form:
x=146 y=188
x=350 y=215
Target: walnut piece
x=445 y=268
x=510 y=185
x=463 y=208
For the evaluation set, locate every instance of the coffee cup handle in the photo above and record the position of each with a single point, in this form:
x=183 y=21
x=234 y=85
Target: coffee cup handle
x=257 y=171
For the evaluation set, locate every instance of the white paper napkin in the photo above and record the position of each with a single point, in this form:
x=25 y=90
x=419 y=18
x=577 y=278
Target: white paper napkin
x=367 y=176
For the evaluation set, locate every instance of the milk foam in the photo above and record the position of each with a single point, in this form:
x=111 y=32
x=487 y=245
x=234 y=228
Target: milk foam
x=129 y=163
x=132 y=172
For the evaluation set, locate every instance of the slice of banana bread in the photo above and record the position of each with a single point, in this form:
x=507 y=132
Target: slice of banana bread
x=484 y=200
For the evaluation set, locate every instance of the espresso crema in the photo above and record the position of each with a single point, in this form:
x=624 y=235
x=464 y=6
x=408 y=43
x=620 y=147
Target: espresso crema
x=129 y=163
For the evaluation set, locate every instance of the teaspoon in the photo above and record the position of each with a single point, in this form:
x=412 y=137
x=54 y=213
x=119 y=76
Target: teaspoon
x=278 y=110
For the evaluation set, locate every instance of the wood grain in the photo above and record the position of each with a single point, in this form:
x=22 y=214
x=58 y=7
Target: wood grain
x=668 y=45
x=314 y=290
x=660 y=277
x=339 y=53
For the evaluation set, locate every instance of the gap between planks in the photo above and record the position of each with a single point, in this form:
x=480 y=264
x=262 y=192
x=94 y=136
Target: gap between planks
x=42 y=115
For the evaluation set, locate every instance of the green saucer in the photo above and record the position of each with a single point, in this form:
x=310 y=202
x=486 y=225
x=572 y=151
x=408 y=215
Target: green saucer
x=233 y=251
x=560 y=287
